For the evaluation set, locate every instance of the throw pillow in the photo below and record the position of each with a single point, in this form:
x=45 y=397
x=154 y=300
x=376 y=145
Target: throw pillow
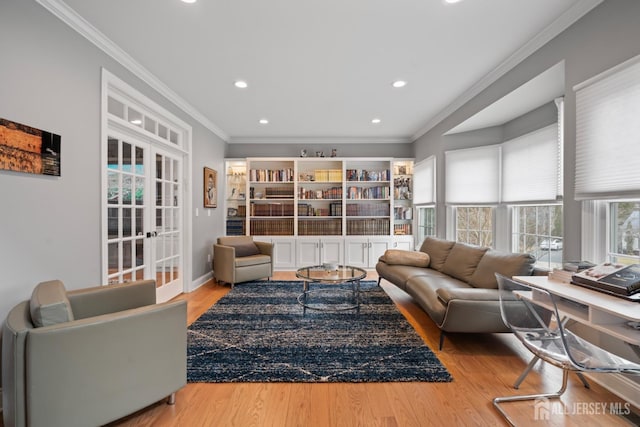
x=412 y=258
x=49 y=304
x=246 y=249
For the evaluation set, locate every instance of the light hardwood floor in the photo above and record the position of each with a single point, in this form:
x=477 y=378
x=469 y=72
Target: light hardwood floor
x=483 y=366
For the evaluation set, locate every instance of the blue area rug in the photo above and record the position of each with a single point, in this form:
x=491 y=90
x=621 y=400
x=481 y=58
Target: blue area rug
x=257 y=333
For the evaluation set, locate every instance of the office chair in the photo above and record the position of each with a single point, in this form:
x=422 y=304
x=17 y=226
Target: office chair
x=542 y=331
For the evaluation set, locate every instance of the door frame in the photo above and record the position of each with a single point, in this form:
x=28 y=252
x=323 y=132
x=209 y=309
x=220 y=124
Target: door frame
x=113 y=86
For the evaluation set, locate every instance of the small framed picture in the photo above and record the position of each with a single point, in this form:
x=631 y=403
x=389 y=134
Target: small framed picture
x=210 y=188
x=232 y=212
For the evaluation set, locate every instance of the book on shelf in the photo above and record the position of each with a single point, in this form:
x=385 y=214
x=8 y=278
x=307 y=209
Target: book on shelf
x=616 y=279
x=560 y=275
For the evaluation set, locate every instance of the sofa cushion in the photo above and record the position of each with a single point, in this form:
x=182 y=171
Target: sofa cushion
x=507 y=264
x=401 y=257
x=438 y=251
x=423 y=290
x=49 y=304
x=462 y=261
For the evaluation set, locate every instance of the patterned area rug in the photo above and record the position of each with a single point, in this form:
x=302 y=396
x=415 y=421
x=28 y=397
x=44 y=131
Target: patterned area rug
x=258 y=333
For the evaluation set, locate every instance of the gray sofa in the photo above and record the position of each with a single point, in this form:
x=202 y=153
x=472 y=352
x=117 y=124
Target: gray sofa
x=90 y=356
x=455 y=283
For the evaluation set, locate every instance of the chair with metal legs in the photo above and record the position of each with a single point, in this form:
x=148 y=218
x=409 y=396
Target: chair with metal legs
x=542 y=331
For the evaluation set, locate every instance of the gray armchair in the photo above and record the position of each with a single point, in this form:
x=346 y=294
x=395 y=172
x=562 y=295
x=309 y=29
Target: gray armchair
x=91 y=356
x=239 y=259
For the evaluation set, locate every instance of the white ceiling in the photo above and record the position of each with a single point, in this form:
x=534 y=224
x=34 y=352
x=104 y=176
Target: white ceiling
x=320 y=69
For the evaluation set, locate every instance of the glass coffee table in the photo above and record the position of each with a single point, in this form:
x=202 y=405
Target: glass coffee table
x=330 y=274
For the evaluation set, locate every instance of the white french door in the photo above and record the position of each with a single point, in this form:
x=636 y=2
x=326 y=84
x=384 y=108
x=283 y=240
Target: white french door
x=144 y=204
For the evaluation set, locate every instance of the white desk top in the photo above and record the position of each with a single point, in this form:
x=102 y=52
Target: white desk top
x=619 y=307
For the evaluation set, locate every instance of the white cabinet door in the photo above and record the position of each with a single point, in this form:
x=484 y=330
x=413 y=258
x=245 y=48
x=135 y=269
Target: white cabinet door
x=284 y=251
x=403 y=242
x=308 y=252
x=377 y=247
x=331 y=250
x=356 y=251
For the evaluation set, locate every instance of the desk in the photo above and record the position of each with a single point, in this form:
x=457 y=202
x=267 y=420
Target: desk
x=600 y=311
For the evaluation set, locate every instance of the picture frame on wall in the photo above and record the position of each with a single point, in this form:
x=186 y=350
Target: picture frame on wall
x=210 y=188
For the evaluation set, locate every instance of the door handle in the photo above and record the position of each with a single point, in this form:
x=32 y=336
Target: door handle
x=152 y=234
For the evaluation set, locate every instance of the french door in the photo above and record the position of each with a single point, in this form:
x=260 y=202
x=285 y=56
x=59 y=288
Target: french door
x=144 y=204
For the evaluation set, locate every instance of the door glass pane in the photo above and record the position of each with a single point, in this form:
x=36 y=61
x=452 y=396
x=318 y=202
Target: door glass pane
x=158 y=193
x=126 y=157
x=115 y=107
x=112 y=223
x=127 y=189
x=175 y=268
x=159 y=242
x=126 y=222
x=112 y=153
x=126 y=254
x=139 y=190
x=175 y=195
x=158 y=166
x=139 y=252
x=158 y=218
x=140 y=274
x=113 y=187
x=150 y=124
x=167 y=194
x=139 y=161
x=113 y=257
x=139 y=222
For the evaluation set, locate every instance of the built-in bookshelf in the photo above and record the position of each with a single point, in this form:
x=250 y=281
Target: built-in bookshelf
x=319 y=197
x=403 y=197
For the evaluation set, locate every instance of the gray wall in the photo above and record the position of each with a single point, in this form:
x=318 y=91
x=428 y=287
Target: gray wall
x=606 y=36
x=50 y=227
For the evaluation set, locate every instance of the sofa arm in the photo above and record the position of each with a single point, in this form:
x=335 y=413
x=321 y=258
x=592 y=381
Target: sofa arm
x=265 y=248
x=95 y=370
x=471 y=294
x=224 y=263
x=99 y=300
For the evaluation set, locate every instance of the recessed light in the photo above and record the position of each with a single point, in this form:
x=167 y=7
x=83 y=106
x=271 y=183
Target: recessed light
x=399 y=83
x=189 y=1
x=241 y=84
x=263 y=121
x=452 y=1
x=375 y=121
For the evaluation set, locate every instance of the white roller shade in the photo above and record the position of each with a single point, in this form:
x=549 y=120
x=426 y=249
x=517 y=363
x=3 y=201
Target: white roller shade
x=530 y=167
x=608 y=134
x=473 y=175
x=424 y=181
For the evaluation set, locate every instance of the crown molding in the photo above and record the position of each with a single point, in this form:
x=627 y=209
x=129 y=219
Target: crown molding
x=563 y=22
x=71 y=18
x=317 y=140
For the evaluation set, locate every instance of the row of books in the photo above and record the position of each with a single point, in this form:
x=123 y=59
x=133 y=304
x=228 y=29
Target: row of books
x=332 y=193
x=355 y=193
x=614 y=278
x=320 y=228
x=402 y=229
x=322 y=175
x=274 y=227
x=236 y=227
x=272 y=209
x=367 y=227
x=271 y=175
x=304 y=209
x=367 y=209
x=368 y=175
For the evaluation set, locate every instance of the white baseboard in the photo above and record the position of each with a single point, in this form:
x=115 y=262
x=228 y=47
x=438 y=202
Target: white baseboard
x=619 y=385
x=200 y=281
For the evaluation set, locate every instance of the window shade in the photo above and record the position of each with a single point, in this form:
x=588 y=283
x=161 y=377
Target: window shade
x=608 y=134
x=530 y=167
x=473 y=175
x=424 y=181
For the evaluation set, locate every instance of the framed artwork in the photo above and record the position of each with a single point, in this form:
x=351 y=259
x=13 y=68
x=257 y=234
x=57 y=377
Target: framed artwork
x=210 y=188
x=29 y=150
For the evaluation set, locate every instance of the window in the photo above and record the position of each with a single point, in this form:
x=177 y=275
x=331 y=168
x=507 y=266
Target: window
x=624 y=232
x=426 y=222
x=474 y=225
x=537 y=230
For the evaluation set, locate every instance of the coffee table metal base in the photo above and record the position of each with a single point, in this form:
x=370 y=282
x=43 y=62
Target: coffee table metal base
x=354 y=296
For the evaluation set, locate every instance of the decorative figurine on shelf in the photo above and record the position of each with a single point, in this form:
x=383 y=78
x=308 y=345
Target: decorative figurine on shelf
x=319 y=153
x=303 y=152
x=334 y=152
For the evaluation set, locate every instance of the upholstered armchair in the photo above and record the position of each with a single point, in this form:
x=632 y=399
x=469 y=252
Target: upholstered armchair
x=91 y=356
x=240 y=259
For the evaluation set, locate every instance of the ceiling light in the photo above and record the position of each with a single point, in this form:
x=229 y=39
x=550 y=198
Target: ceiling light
x=189 y=1
x=375 y=121
x=452 y=1
x=241 y=84
x=399 y=83
x=263 y=121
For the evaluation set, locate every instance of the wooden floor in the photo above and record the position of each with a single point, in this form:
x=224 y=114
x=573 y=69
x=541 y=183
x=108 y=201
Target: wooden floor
x=483 y=366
